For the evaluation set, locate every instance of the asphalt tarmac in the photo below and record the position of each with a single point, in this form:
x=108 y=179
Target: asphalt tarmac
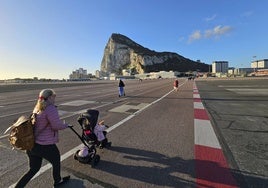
x=151 y=130
x=239 y=112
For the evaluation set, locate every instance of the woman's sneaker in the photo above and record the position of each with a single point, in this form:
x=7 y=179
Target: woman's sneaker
x=62 y=181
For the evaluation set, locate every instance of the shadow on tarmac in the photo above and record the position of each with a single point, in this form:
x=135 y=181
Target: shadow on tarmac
x=73 y=183
x=168 y=167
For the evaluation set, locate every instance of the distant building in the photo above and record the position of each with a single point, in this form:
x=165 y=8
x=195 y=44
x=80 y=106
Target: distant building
x=161 y=74
x=260 y=72
x=231 y=70
x=125 y=72
x=79 y=74
x=98 y=74
x=243 y=71
x=260 y=64
x=219 y=66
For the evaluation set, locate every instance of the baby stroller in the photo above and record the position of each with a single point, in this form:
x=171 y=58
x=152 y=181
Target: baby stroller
x=87 y=154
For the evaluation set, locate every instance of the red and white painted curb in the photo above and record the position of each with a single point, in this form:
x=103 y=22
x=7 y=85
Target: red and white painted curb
x=211 y=167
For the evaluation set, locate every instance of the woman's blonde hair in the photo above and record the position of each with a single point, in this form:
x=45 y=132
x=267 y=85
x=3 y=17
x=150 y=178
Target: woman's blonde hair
x=42 y=99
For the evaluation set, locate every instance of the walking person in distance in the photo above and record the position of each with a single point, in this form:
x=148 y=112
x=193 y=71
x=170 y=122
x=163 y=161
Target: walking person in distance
x=121 y=86
x=176 y=85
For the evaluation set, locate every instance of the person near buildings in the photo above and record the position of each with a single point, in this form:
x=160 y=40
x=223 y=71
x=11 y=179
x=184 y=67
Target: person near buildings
x=176 y=84
x=121 y=86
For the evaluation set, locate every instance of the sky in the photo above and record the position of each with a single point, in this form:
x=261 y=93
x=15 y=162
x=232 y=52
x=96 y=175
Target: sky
x=52 y=38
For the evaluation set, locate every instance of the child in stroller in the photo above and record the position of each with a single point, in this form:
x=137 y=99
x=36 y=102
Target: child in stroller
x=93 y=132
x=100 y=132
x=88 y=122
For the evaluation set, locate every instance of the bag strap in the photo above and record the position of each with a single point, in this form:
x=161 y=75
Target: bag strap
x=12 y=126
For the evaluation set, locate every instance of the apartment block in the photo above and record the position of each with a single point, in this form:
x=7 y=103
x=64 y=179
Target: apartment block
x=220 y=66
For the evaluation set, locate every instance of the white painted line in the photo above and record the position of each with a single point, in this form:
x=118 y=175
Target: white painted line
x=72 y=151
x=204 y=134
x=120 y=123
x=196 y=96
x=133 y=115
x=125 y=107
x=77 y=103
x=48 y=166
x=198 y=105
x=15 y=113
x=65 y=115
x=62 y=112
x=237 y=86
x=253 y=91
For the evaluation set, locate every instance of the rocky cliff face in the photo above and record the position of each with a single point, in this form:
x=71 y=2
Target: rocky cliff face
x=123 y=53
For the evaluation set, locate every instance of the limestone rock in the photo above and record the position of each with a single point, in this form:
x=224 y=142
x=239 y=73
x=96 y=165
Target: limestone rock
x=123 y=53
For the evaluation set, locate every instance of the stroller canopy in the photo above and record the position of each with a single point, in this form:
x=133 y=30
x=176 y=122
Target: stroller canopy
x=91 y=116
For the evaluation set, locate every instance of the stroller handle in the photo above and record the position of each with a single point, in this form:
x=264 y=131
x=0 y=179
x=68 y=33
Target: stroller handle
x=71 y=127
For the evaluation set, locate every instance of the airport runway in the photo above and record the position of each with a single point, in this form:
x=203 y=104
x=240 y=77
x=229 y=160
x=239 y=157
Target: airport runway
x=239 y=111
x=153 y=133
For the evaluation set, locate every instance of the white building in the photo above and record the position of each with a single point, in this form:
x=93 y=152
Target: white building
x=241 y=71
x=161 y=74
x=79 y=74
x=219 y=66
x=260 y=64
x=125 y=72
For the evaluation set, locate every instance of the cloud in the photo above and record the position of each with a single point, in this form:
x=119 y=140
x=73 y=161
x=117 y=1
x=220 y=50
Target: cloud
x=210 y=18
x=215 y=32
x=196 y=35
x=247 y=13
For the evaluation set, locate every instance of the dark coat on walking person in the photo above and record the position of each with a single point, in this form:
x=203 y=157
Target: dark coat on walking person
x=121 y=86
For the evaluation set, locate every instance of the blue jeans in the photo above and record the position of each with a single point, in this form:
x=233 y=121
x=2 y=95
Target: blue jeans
x=121 y=91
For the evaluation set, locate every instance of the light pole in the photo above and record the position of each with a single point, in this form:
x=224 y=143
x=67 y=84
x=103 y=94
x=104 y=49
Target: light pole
x=255 y=57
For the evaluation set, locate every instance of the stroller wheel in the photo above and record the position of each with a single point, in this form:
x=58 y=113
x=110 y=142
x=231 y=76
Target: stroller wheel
x=75 y=155
x=93 y=152
x=95 y=160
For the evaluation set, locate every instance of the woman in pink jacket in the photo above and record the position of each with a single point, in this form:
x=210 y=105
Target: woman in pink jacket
x=46 y=129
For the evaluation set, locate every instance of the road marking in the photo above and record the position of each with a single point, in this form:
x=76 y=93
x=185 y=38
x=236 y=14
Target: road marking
x=77 y=103
x=198 y=105
x=15 y=114
x=204 y=134
x=125 y=108
x=137 y=112
x=211 y=167
x=72 y=151
x=249 y=91
x=196 y=96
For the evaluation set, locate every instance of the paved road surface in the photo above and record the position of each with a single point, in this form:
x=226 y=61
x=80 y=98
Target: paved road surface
x=239 y=111
x=152 y=130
